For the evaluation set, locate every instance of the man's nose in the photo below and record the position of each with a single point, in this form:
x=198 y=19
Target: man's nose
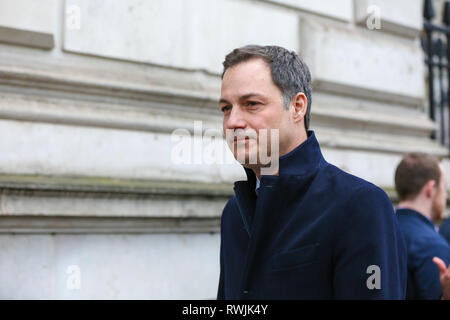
x=236 y=119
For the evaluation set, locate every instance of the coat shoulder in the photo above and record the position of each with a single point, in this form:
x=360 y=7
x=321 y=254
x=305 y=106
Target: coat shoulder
x=230 y=210
x=351 y=184
x=359 y=199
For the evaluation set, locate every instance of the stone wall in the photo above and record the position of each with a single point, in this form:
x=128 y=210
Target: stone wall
x=92 y=90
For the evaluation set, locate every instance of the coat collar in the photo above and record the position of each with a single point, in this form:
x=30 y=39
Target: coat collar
x=417 y=215
x=304 y=159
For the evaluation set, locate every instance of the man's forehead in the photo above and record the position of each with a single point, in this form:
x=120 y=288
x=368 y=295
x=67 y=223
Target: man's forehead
x=250 y=68
x=247 y=78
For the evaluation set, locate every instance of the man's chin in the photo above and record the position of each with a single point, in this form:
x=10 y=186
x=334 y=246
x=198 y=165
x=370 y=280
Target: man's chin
x=250 y=166
x=248 y=163
x=246 y=158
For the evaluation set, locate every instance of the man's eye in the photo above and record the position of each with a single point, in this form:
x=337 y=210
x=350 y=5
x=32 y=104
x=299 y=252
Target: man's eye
x=252 y=103
x=225 y=108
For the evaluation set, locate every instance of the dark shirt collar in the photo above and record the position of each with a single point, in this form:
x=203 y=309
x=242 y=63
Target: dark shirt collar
x=415 y=214
x=302 y=160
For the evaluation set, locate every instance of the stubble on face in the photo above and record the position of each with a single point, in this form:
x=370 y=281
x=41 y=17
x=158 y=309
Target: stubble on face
x=440 y=200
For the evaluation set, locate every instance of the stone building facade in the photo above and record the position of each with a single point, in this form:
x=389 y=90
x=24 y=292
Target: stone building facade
x=93 y=205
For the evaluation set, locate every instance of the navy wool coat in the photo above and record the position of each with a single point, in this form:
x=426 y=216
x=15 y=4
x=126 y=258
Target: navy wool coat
x=444 y=230
x=313 y=232
x=422 y=243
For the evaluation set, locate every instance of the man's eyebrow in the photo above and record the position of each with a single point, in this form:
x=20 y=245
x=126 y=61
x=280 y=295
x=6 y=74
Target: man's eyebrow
x=222 y=100
x=249 y=95
x=245 y=96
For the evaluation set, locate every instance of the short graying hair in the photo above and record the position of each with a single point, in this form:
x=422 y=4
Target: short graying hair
x=289 y=72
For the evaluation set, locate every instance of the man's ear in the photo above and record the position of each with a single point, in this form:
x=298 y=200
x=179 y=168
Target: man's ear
x=430 y=188
x=299 y=105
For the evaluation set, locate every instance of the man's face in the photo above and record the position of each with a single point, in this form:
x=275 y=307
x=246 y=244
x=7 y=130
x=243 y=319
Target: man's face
x=440 y=199
x=251 y=101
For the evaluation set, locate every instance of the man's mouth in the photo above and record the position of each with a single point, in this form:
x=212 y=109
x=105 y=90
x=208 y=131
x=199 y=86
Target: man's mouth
x=243 y=139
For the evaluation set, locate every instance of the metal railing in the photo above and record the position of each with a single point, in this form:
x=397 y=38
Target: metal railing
x=435 y=43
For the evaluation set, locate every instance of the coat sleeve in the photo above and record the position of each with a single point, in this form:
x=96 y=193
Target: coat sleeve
x=220 y=291
x=426 y=274
x=221 y=287
x=369 y=259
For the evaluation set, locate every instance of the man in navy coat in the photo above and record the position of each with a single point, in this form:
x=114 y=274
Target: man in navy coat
x=444 y=229
x=421 y=186
x=298 y=227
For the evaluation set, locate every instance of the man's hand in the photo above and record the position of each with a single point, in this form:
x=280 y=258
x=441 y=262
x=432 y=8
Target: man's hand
x=444 y=275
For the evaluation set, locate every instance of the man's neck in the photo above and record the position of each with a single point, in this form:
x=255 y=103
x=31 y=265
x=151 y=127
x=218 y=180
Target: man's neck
x=302 y=137
x=257 y=172
x=424 y=210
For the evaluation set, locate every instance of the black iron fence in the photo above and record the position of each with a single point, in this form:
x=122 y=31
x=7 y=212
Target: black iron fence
x=436 y=45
